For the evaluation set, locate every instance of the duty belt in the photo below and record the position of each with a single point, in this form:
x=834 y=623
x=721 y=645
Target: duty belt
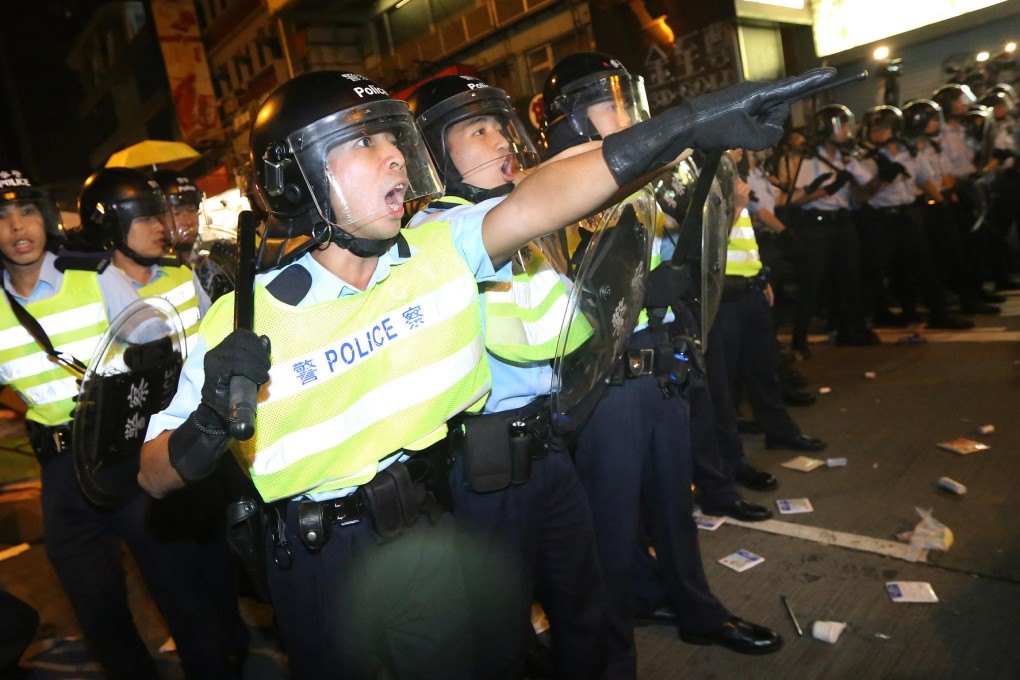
x=891 y=210
x=824 y=215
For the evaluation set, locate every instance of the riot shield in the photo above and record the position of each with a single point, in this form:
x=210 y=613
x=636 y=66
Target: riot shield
x=214 y=260
x=719 y=213
x=132 y=375
x=603 y=307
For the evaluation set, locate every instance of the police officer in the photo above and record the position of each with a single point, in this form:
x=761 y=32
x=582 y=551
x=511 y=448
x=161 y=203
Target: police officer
x=185 y=201
x=828 y=239
x=73 y=305
x=635 y=448
x=367 y=581
x=891 y=228
x=1004 y=210
x=535 y=524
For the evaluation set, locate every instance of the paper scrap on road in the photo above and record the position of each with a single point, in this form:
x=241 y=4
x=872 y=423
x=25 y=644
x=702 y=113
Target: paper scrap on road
x=911 y=591
x=742 y=560
x=793 y=506
x=803 y=463
x=963 y=446
x=709 y=522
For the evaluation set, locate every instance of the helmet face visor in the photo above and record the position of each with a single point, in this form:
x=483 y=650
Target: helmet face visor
x=364 y=162
x=148 y=224
x=606 y=104
x=22 y=201
x=482 y=140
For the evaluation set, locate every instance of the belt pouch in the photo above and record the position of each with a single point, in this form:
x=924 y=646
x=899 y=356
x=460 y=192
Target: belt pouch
x=488 y=460
x=313 y=527
x=390 y=501
x=521 y=452
x=246 y=536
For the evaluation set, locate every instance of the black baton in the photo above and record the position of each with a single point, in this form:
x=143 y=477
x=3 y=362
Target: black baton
x=243 y=392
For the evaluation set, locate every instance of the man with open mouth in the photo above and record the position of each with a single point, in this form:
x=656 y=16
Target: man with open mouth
x=372 y=343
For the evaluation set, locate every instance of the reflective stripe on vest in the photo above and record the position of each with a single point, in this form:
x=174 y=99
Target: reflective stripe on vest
x=178 y=288
x=74 y=319
x=355 y=379
x=742 y=258
x=523 y=317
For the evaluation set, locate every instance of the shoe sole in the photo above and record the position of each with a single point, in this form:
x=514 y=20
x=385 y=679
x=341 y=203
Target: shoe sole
x=754 y=651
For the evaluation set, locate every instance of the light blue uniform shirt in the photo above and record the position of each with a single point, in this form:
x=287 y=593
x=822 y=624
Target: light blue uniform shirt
x=513 y=385
x=903 y=190
x=467 y=236
x=812 y=168
x=764 y=192
x=957 y=154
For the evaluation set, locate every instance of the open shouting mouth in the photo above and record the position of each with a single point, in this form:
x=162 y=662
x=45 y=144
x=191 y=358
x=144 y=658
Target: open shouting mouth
x=395 y=199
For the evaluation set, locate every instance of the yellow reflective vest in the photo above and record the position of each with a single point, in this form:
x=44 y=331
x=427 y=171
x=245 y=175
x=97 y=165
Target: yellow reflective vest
x=178 y=288
x=742 y=258
x=74 y=319
x=357 y=378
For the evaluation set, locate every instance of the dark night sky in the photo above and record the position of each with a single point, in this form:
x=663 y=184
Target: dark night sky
x=35 y=36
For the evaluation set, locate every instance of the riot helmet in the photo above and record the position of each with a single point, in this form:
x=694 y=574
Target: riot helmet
x=954 y=99
x=1007 y=90
x=110 y=200
x=588 y=95
x=998 y=102
x=979 y=125
x=332 y=153
x=19 y=194
x=883 y=116
x=465 y=106
x=834 y=123
x=186 y=201
x=917 y=117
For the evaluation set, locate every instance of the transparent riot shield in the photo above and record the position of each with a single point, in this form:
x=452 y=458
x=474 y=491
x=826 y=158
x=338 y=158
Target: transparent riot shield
x=132 y=375
x=603 y=307
x=719 y=213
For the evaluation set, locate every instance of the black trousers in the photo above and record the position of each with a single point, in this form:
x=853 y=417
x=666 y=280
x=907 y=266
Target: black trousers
x=956 y=262
x=18 y=623
x=828 y=249
x=363 y=608
x=634 y=459
x=189 y=580
x=891 y=235
x=527 y=539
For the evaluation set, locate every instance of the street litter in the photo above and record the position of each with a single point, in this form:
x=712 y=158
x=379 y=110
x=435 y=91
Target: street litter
x=835 y=462
x=869 y=375
x=793 y=617
x=803 y=463
x=742 y=560
x=793 y=506
x=824 y=390
x=963 y=446
x=827 y=631
x=708 y=522
x=950 y=484
x=986 y=429
x=929 y=533
x=911 y=591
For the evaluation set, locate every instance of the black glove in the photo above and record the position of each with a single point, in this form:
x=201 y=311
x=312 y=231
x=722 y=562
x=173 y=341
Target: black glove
x=817 y=183
x=196 y=446
x=743 y=116
x=888 y=170
x=842 y=177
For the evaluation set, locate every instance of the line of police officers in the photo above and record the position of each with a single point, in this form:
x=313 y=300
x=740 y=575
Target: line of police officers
x=383 y=406
x=922 y=201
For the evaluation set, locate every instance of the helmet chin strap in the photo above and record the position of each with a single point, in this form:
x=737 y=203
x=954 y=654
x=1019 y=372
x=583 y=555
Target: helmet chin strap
x=144 y=261
x=456 y=186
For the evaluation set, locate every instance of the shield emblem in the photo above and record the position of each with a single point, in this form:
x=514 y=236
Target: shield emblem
x=132 y=375
x=603 y=307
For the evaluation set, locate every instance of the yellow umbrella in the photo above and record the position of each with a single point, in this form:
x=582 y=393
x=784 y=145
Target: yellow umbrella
x=150 y=152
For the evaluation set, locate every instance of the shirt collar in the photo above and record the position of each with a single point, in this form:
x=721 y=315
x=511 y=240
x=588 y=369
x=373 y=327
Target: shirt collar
x=45 y=286
x=328 y=286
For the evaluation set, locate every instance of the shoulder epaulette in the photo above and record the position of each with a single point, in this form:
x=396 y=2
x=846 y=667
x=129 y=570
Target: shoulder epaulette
x=291 y=285
x=89 y=262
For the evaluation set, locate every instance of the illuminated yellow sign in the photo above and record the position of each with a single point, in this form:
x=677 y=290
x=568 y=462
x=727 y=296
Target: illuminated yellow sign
x=785 y=11
x=843 y=24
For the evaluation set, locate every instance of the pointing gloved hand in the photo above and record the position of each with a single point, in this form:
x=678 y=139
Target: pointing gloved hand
x=842 y=177
x=817 y=183
x=746 y=115
x=197 y=445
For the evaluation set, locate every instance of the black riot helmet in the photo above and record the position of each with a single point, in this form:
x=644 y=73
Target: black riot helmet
x=991 y=99
x=17 y=188
x=1009 y=91
x=882 y=116
x=834 y=123
x=581 y=81
x=442 y=102
x=947 y=95
x=917 y=116
x=179 y=189
x=109 y=201
x=299 y=142
x=979 y=124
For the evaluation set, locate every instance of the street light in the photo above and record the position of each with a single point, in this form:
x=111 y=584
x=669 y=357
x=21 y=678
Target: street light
x=1010 y=47
x=881 y=53
x=982 y=56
